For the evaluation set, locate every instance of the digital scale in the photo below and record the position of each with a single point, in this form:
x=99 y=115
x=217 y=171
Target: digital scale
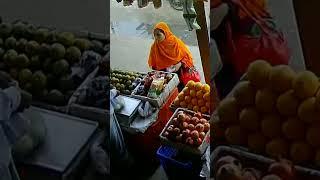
x=129 y=111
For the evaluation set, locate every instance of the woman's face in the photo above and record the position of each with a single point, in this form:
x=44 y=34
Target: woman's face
x=159 y=35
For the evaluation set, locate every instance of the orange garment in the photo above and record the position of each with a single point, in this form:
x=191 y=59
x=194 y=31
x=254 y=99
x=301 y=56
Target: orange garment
x=168 y=52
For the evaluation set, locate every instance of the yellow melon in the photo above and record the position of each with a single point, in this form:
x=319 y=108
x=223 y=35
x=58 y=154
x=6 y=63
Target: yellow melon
x=305 y=85
x=258 y=73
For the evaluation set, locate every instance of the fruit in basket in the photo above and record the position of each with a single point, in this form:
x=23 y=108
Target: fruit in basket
x=9 y=57
x=55 y=97
x=203 y=109
x=198 y=142
x=186 y=133
x=305 y=85
x=202 y=135
x=41 y=35
x=187 y=99
x=228 y=110
x=10 y=43
x=198 y=86
x=281 y=78
x=32 y=48
x=229 y=172
x=257 y=142
x=191 y=127
x=244 y=93
x=196 y=108
x=194 y=120
x=205 y=88
x=293 y=129
x=39 y=80
x=249 y=119
x=192 y=93
x=21 y=45
x=181 y=96
x=235 y=135
x=82 y=44
x=57 y=51
x=44 y=50
x=185 y=125
x=307 y=110
x=189 y=141
x=60 y=67
x=181 y=117
x=265 y=101
x=271 y=177
x=66 y=38
x=287 y=103
x=300 y=152
x=183 y=104
x=283 y=169
x=186 y=91
x=176 y=131
x=5 y=30
x=271 y=126
x=313 y=136
x=206 y=127
x=258 y=73
x=206 y=96
x=191 y=85
x=22 y=61
x=277 y=148
x=25 y=76
x=199 y=94
x=194 y=134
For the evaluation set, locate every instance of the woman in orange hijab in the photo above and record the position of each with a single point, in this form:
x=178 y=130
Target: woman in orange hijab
x=169 y=53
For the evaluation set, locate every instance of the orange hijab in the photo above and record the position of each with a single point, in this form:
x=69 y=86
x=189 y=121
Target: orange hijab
x=168 y=52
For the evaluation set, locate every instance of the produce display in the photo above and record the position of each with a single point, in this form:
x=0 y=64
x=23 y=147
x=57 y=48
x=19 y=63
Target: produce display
x=195 y=97
x=188 y=128
x=125 y=81
x=230 y=168
x=153 y=84
x=276 y=112
x=42 y=60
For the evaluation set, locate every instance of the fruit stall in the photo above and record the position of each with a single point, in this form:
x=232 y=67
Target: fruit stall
x=267 y=128
x=59 y=73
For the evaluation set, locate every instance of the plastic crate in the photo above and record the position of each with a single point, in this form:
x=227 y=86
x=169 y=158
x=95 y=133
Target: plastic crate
x=175 y=168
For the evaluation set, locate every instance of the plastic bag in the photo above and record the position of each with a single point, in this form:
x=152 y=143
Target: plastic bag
x=116 y=102
x=156 y=87
x=145 y=110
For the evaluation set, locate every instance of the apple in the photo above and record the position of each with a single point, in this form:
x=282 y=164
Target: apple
x=194 y=120
x=186 y=133
x=170 y=129
x=202 y=135
x=185 y=125
x=195 y=134
x=189 y=141
x=175 y=121
x=198 y=142
x=181 y=117
x=203 y=121
x=187 y=118
x=199 y=127
x=176 y=130
x=206 y=127
x=198 y=115
x=191 y=127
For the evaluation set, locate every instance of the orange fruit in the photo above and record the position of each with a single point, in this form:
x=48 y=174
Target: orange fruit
x=194 y=101
x=187 y=99
x=176 y=102
x=201 y=102
x=183 y=104
x=190 y=84
x=203 y=109
x=205 y=88
x=186 y=91
x=190 y=106
x=198 y=86
x=196 y=108
x=181 y=96
x=206 y=96
x=199 y=94
x=193 y=93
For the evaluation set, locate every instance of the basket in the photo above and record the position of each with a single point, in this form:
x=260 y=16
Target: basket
x=257 y=161
x=158 y=102
x=198 y=151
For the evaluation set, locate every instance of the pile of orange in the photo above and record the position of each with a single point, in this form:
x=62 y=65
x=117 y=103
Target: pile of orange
x=195 y=96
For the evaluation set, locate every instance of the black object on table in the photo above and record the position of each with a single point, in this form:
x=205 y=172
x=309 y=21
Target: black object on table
x=65 y=148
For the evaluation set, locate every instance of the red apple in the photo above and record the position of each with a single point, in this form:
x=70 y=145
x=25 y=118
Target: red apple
x=181 y=117
x=170 y=129
x=198 y=142
x=198 y=115
x=194 y=120
x=195 y=134
x=176 y=131
x=186 y=133
x=185 y=125
x=206 y=127
x=191 y=127
x=199 y=127
x=187 y=118
x=175 y=121
x=202 y=135
x=203 y=121
x=189 y=141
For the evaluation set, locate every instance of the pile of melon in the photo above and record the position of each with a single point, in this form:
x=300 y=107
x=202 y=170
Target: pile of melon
x=276 y=111
x=195 y=97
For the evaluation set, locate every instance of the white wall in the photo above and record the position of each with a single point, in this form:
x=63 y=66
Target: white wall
x=90 y=15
